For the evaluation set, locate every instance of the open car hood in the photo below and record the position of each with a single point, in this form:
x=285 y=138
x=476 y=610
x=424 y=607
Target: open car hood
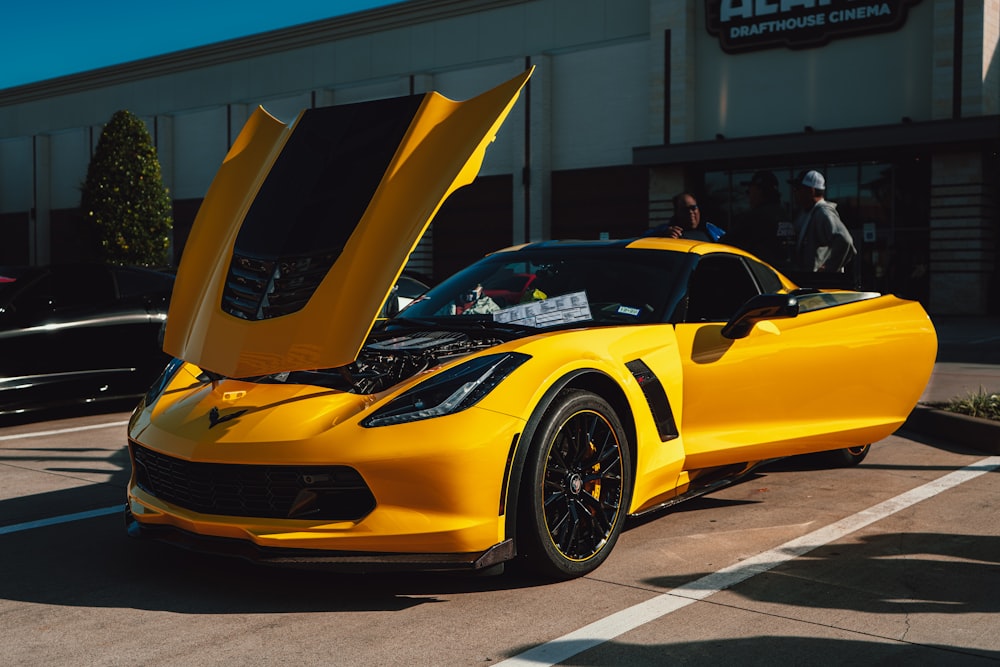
x=306 y=228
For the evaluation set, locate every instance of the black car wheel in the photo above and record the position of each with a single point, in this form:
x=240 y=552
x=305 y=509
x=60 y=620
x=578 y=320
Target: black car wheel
x=847 y=457
x=577 y=485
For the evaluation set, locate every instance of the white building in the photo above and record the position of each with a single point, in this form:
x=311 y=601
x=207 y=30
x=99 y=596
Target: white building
x=632 y=101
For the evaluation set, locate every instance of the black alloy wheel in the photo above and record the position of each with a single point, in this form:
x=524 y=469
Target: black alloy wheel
x=577 y=486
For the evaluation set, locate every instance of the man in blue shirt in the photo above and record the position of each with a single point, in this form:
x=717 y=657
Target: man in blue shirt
x=686 y=222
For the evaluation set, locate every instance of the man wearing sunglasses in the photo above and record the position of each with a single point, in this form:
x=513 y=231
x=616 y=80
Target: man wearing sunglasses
x=686 y=222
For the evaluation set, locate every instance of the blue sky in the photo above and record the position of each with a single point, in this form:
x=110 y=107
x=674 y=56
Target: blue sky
x=44 y=39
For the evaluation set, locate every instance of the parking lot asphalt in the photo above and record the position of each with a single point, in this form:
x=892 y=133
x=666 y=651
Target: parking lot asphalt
x=968 y=362
x=914 y=585
x=892 y=562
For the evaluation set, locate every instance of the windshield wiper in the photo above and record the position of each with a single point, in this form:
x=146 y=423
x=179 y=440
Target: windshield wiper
x=510 y=326
x=415 y=321
x=463 y=323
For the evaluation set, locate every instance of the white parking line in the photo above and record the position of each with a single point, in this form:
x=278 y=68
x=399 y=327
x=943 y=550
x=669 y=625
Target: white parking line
x=608 y=628
x=65 y=518
x=61 y=431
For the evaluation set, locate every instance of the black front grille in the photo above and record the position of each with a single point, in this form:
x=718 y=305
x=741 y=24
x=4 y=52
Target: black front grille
x=325 y=493
x=259 y=289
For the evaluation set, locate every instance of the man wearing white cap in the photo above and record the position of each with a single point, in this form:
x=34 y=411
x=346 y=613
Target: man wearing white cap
x=824 y=243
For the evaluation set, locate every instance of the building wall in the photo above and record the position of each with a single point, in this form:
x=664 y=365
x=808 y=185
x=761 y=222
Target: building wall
x=965 y=193
x=611 y=76
x=774 y=91
x=195 y=102
x=16 y=179
x=964 y=210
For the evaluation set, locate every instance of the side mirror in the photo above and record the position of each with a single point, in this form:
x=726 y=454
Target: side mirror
x=759 y=308
x=391 y=306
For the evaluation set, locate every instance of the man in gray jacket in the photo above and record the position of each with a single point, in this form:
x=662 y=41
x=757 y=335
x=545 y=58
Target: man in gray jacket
x=824 y=244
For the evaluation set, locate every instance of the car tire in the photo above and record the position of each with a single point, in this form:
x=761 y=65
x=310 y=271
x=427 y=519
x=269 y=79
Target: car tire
x=576 y=487
x=847 y=457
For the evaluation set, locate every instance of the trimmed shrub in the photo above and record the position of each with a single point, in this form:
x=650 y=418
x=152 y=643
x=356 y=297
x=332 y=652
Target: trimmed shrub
x=123 y=196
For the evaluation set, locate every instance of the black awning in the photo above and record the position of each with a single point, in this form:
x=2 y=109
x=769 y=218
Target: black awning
x=875 y=142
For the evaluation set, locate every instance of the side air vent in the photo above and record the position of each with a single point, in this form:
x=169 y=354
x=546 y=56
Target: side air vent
x=656 y=397
x=260 y=289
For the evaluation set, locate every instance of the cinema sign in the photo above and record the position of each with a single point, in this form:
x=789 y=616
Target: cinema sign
x=746 y=25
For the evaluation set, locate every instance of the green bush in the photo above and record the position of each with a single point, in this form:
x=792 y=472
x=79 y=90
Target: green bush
x=124 y=198
x=982 y=404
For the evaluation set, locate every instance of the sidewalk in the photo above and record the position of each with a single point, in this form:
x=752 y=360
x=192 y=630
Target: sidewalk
x=968 y=361
x=968 y=358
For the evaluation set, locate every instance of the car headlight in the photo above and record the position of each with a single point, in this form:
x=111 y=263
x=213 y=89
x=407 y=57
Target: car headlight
x=452 y=391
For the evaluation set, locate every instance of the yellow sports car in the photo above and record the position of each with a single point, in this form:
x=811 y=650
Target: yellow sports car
x=522 y=408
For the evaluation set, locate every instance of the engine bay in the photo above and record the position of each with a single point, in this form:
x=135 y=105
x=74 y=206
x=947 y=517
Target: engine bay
x=389 y=358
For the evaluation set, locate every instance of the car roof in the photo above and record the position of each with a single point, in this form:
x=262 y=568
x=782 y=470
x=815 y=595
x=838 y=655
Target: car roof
x=640 y=243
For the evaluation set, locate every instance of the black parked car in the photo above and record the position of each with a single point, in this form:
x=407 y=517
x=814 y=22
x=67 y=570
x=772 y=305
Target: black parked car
x=77 y=334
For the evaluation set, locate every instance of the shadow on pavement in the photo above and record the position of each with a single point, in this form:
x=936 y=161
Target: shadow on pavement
x=891 y=573
x=770 y=650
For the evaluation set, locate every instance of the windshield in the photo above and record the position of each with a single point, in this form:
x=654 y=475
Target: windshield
x=551 y=286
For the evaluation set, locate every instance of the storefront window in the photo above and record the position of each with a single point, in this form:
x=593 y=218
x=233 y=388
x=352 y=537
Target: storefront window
x=721 y=197
x=884 y=205
x=910 y=240
x=873 y=229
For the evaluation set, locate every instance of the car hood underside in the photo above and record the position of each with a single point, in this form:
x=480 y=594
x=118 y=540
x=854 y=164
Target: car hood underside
x=306 y=228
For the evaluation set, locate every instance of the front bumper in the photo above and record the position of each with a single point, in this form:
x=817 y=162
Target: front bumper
x=275 y=477
x=343 y=561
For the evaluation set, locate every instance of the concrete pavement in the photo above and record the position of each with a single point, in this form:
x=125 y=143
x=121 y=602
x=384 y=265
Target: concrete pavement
x=968 y=361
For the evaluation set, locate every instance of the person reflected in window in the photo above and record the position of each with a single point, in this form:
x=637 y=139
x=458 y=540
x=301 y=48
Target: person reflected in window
x=764 y=230
x=474 y=302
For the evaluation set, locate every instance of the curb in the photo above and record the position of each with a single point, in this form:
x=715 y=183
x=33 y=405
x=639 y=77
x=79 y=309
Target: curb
x=972 y=432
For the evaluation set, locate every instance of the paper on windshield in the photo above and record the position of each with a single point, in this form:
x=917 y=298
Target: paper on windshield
x=563 y=309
